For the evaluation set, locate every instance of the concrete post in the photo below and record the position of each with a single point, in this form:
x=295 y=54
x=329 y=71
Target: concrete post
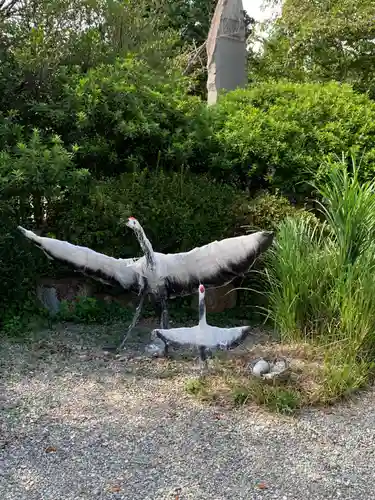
x=226 y=49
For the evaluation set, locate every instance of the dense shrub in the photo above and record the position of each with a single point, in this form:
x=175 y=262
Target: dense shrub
x=91 y=310
x=37 y=172
x=276 y=134
x=11 y=131
x=34 y=175
x=177 y=210
x=18 y=266
x=264 y=212
x=124 y=116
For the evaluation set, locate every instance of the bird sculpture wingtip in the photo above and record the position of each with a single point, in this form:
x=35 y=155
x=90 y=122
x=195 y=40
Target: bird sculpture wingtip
x=155 y=333
x=268 y=238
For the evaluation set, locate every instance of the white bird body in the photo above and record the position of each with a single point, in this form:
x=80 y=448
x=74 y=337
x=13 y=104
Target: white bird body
x=203 y=335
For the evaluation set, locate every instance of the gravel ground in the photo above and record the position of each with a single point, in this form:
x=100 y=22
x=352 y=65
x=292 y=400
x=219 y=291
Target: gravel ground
x=76 y=424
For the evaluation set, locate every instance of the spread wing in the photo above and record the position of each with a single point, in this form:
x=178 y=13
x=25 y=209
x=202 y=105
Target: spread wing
x=214 y=264
x=207 y=336
x=96 y=265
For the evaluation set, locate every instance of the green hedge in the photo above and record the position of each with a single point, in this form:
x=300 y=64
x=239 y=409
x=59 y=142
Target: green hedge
x=122 y=117
x=36 y=175
x=272 y=134
x=19 y=266
x=177 y=210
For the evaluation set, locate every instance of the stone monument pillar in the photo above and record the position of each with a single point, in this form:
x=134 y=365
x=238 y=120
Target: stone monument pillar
x=226 y=49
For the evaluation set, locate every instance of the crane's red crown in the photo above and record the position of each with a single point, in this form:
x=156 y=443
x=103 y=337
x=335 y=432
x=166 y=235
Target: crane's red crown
x=131 y=218
x=201 y=288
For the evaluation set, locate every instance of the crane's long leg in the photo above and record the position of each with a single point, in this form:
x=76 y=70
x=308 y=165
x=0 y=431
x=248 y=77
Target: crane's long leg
x=162 y=312
x=134 y=321
x=203 y=359
x=164 y=318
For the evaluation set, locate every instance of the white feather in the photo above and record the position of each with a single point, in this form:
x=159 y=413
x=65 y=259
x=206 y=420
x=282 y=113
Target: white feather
x=86 y=260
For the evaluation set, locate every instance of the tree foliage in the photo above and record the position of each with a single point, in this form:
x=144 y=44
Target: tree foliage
x=321 y=41
x=44 y=33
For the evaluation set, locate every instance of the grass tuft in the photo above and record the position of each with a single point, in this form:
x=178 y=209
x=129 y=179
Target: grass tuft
x=284 y=400
x=195 y=386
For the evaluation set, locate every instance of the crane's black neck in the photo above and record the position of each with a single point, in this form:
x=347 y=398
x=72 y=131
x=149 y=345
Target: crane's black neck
x=202 y=311
x=146 y=247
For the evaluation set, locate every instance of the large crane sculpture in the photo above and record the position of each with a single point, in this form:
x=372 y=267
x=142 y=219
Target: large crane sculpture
x=157 y=274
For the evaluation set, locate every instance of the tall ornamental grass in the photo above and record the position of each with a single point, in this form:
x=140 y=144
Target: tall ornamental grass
x=322 y=274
